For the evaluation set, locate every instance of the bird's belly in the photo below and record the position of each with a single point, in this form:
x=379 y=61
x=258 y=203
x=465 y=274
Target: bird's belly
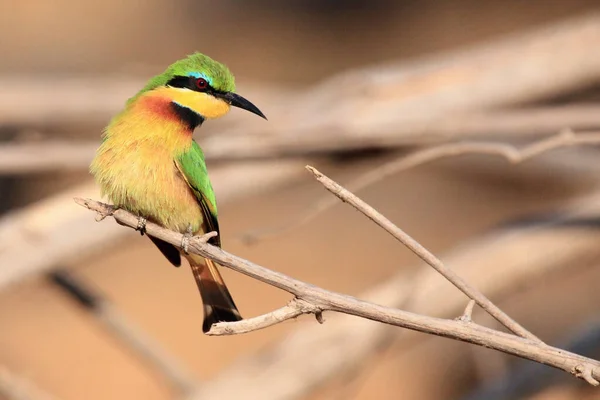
x=152 y=188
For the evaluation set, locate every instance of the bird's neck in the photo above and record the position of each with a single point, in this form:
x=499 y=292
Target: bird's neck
x=154 y=117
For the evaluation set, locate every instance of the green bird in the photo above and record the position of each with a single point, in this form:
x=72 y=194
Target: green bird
x=149 y=164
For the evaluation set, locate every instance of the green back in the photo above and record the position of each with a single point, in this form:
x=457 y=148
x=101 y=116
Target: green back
x=193 y=166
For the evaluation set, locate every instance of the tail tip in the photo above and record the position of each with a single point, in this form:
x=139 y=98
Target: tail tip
x=214 y=314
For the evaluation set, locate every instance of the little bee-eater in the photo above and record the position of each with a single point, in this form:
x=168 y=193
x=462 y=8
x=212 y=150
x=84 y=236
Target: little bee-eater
x=149 y=164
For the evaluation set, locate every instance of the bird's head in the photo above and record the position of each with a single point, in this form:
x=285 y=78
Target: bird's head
x=200 y=84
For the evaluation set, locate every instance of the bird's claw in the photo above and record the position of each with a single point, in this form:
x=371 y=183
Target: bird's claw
x=141 y=226
x=207 y=236
x=185 y=239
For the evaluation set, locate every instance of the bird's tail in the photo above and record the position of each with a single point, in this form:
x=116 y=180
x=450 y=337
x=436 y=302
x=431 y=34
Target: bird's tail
x=218 y=303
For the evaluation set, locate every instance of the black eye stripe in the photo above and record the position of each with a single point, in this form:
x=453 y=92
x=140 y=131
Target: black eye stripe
x=189 y=82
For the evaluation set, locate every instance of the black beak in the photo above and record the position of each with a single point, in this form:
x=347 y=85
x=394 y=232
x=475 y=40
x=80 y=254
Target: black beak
x=238 y=101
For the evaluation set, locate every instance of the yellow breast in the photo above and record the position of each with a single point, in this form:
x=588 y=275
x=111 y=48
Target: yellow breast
x=135 y=168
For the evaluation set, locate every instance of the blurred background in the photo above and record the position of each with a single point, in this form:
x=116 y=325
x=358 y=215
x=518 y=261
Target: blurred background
x=347 y=87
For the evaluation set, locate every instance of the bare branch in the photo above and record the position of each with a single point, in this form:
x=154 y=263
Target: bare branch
x=425 y=101
x=293 y=309
x=327 y=300
x=512 y=154
x=395 y=104
x=514 y=257
x=421 y=252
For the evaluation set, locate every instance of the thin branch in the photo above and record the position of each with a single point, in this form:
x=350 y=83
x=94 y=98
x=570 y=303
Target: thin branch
x=512 y=154
x=293 y=309
x=514 y=257
x=422 y=253
x=325 y=300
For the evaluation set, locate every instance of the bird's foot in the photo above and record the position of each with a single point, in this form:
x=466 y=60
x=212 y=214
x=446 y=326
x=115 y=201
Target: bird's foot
x=207 y=236
x=188 y=236
x=141 y=226
x=185 y=240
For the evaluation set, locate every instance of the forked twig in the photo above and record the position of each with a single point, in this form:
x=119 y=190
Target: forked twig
x=467 y=315
x=424 y=254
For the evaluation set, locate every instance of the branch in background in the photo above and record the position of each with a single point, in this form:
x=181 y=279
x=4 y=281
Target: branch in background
x=322 y=140
x=49 y=155
x=323 y=300
x=421 y=102
x=126 y=331
x=512 y=154
x=396 y=104
x=13 y=387
x=46 y=156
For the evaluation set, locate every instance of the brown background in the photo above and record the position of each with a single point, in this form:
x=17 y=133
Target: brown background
x=47 y=339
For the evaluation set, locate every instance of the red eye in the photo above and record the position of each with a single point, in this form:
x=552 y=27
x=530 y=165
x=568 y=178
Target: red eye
x=201 y=83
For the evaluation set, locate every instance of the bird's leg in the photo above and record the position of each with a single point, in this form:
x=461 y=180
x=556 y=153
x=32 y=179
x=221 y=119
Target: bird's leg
x=185 y=240
x=141 y=226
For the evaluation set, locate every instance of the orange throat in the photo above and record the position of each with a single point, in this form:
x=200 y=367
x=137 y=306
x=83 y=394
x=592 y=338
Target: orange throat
x=135 y=165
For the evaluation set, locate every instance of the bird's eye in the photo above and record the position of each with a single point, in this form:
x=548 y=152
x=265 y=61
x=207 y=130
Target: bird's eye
x=201 y=83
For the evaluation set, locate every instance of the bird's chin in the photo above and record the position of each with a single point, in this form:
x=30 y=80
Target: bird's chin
x=209 y=107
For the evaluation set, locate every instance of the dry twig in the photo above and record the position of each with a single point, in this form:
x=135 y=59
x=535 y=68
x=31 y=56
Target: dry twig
x=422 y=253
x=512 y=154
x=467 y=316
x=323 y=300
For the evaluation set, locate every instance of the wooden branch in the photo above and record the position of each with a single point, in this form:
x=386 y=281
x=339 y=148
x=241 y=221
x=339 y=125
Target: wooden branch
x=323 y=300
x=293 y=309
x=512 y=154
x=526 y=380
x=467 y=316
x=32 y=240
x=514 y=257
x=422 y=253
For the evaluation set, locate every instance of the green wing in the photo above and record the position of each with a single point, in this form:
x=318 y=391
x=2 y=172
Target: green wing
x=192 y=166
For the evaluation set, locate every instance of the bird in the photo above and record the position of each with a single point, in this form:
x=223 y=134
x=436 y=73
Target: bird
x=149 y=164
